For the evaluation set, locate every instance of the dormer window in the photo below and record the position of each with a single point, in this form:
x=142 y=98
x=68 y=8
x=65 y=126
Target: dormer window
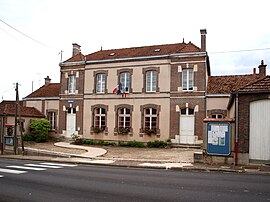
x=157 y=50
x=111 y=54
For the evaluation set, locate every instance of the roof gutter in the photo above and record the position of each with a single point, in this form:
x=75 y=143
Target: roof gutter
x=146 y=57
x=41 y=98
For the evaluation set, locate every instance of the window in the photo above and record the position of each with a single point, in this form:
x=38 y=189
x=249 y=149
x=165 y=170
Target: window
x=52 y=120
x=187 y=111
x=71 y=84
x=217 y=116
x=99 y=118
x=187 y=79
x=151 y=81
x=125 y=81
x=150 y=118
x=100 y=83
x=124 y=118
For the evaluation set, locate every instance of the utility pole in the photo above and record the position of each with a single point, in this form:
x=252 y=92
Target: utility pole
x=16 y=119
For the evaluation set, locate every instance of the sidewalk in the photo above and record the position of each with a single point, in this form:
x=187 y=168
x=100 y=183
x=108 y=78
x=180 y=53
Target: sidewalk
x=92 y=155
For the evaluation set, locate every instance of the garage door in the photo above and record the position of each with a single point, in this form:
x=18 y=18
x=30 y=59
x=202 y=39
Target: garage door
x=259 y=142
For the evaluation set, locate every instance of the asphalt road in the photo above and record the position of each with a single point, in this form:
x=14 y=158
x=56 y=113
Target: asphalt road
x=97 y=183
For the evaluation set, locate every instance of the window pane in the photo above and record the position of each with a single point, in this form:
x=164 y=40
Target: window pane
x=71 y=84
x=190 y=79
x=190 y=111
x=183 y=111
x=100 y=85
x=151 y=81
x=184 y=79
x=125 y=81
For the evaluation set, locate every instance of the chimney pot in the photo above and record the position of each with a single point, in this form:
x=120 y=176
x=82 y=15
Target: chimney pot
x=203 y=39
x=76 y=49
x=254 y=71
x=262 y=69
x=47 y=81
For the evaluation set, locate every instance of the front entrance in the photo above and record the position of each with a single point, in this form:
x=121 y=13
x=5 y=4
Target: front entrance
x=259 y=130
x=187 y=120
x=71 y=122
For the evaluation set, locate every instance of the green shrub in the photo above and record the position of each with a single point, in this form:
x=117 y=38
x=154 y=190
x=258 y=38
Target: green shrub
x=39 y=129
x=157 y=144
x=131 y=144
x=28 y=137
x=89 y=142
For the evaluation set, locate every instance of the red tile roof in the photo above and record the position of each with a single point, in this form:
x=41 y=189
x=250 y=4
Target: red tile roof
x=229 y=84
x=155 y=50
x=76 y=58
x=50 y=90
x=9 y=108
x=261 y=85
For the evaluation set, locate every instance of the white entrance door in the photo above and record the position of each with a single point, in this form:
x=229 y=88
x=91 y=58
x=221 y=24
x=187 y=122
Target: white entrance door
x=259 y=132
x=187 y=126
x=71 y=122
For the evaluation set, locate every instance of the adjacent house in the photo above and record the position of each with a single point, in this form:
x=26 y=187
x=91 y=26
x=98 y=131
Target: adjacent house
x=7 y=115
x=243 y=100
x=46 y=100
x=141 y=93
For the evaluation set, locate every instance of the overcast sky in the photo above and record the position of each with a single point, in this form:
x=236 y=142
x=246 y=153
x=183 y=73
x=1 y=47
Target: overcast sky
x=238 y=33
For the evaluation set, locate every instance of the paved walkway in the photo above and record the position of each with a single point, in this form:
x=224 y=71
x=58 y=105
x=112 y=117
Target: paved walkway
x=91 y=151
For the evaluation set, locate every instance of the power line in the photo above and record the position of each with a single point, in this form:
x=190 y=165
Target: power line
x=23 y=33
x=238 y=51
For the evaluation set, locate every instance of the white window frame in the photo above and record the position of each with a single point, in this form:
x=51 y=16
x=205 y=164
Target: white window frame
x=71 y=84
x=52 y=119
x=151 y=81
x=100 y=83
x=99 y=115
x=216 y=116
x=125 y=81
x=188 y=79
x=124 y=115
x=151 y=116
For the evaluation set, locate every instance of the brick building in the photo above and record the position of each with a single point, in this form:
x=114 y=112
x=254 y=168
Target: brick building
x=142 y=93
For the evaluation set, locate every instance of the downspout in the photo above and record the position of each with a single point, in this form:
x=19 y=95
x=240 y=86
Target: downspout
x=236 y=129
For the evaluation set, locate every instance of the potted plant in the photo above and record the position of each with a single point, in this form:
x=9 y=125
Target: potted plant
x=149 y=131
x=98 y=130
x=123 y=131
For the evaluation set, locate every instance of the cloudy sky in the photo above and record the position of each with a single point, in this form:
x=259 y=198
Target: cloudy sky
x=33 y=32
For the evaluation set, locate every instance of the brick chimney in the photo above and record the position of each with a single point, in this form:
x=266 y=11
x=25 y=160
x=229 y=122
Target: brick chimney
x=47 y=81
x=203 y=39
x=262 y=69
x=76 y=49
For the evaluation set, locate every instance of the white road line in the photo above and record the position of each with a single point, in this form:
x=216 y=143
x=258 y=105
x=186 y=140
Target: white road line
x=1 y=175
x=27 y=168
x=42 y=166
x=60 y=164
x=2 y=170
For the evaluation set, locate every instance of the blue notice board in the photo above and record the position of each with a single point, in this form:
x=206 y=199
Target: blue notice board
x=218 y=138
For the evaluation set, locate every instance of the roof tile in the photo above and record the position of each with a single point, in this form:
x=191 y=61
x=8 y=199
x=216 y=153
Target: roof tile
x=229 y=84
x=9 y=107
x=50 y=90
x=155 y=50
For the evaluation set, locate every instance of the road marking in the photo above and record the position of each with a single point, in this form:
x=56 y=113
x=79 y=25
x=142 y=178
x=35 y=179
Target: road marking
x=2 y=170
x=27 y=168
x=60 y=164
x=167 y=165
x=1 y=175
x=42 y=166
x=102 y=161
